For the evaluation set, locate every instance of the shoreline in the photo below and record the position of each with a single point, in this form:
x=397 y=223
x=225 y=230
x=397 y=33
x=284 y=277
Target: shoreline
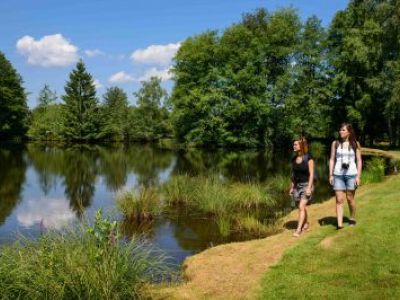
x=235 y=270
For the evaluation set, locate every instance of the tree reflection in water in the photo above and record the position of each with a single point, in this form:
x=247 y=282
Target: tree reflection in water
x=12 y=178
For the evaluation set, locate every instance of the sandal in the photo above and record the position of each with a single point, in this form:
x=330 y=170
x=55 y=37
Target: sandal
x=296 y=233
x=339 y=227
x=352 y=222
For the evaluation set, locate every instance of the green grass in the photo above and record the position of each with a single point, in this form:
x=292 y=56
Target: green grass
x=374 y=170
x=360 y=262
x=140 y=205
x=213 y=196
x=226 y=202
x=84 y=263
x=252 y=225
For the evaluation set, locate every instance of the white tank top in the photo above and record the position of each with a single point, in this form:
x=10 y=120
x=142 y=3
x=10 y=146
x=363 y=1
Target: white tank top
x=345 y=155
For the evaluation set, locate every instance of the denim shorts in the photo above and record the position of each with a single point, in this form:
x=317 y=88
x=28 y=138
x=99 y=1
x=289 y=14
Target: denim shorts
x=344 y=182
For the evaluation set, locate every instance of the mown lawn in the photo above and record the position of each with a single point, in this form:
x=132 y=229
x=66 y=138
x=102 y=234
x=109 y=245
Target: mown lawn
x=355 y=263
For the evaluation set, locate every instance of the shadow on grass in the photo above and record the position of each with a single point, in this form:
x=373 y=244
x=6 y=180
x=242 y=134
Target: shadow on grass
x=331 y=221
x=326 y=221
x=291 y=225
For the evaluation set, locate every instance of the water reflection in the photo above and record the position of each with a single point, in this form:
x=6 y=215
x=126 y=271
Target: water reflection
x=44 y=185
x=234 y=165
x=12 y=177
x=49 y=213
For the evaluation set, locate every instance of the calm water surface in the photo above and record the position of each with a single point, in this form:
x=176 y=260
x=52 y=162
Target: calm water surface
x=45 y=187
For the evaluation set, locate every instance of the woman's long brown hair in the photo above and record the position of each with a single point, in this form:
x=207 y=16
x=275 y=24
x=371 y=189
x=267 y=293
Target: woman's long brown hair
x=352 y=136
x=303 y=145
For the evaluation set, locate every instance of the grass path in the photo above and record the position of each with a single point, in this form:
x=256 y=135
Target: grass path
x=354 y=263
x=237 y=270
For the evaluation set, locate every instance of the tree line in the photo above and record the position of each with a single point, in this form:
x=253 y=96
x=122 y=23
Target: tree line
x=257 y=83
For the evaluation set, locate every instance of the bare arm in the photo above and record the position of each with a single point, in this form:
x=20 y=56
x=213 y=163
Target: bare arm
x=359 y=163
x=291 y=188
x=332 y=161
x=311 y=177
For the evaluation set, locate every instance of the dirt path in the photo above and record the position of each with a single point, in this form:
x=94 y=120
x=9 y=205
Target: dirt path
x=235 y=270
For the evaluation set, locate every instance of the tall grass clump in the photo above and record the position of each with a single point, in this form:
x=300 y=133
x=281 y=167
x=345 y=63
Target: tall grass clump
x=225 y=202
x=278 y=184
x=180 y=190
x=249 y=196
x=374 y=170
x=86 y=263
x=210 y=195
x=139 y=206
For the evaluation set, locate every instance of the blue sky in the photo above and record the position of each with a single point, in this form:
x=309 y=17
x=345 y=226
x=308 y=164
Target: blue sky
x=121 y=42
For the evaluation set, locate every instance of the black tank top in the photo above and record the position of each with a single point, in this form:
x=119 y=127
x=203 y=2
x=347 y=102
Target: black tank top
x=300 y=171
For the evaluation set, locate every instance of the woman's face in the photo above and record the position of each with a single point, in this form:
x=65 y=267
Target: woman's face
x=344 y=133
x=296 y=146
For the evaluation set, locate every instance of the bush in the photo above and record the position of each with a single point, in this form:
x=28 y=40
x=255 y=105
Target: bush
x=88 y=263
x=374 y=170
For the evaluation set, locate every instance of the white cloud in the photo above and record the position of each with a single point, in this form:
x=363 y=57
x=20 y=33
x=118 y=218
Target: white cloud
x=51 y=213
x=164 y=74
x=156 y=54
x=93 y=52
x=49 y=51
x=121 y=77
x=97 y=84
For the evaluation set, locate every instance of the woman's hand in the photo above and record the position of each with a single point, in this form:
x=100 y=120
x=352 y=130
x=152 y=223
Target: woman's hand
x=358 y=181
x=308 y=191
x=331 y=179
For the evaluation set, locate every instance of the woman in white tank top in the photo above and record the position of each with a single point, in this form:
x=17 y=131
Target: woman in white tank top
x=345 y=166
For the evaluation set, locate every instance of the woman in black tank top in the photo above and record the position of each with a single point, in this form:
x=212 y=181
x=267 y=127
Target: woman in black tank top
x=302 y=183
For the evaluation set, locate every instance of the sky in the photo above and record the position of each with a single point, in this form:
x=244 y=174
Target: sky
x=121 y=42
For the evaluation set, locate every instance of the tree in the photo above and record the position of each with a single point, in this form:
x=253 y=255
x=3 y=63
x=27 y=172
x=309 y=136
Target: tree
x=81 y=115
x=361 y=43
x=308 y=108
x=13 y=107
x=46 y=96
x=115 y=113
x=149 y=119
x=230 y=88
x=47 y=123
x=46 y=118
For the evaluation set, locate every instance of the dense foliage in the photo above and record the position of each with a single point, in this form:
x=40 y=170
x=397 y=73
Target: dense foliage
x=259 y=82
x=13 y=108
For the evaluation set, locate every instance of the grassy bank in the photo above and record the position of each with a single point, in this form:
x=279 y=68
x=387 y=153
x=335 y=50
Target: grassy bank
x=358 y=262
x=85 y=263
x=355 y=263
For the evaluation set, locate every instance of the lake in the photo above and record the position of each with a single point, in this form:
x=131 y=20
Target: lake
x=46 y=187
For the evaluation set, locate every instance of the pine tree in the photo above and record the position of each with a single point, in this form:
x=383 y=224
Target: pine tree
x=13 y=107
x=81 y=118
x=46 y=96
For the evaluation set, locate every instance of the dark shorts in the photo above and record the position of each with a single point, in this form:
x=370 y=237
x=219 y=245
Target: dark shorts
x=299 y=192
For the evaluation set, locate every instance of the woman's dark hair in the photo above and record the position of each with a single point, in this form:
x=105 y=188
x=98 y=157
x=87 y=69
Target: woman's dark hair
x=352 y=137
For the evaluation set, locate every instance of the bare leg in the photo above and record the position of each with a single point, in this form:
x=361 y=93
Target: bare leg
x=302 y=215
x=305 y=223
x=352 y=204
x=340 y=196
